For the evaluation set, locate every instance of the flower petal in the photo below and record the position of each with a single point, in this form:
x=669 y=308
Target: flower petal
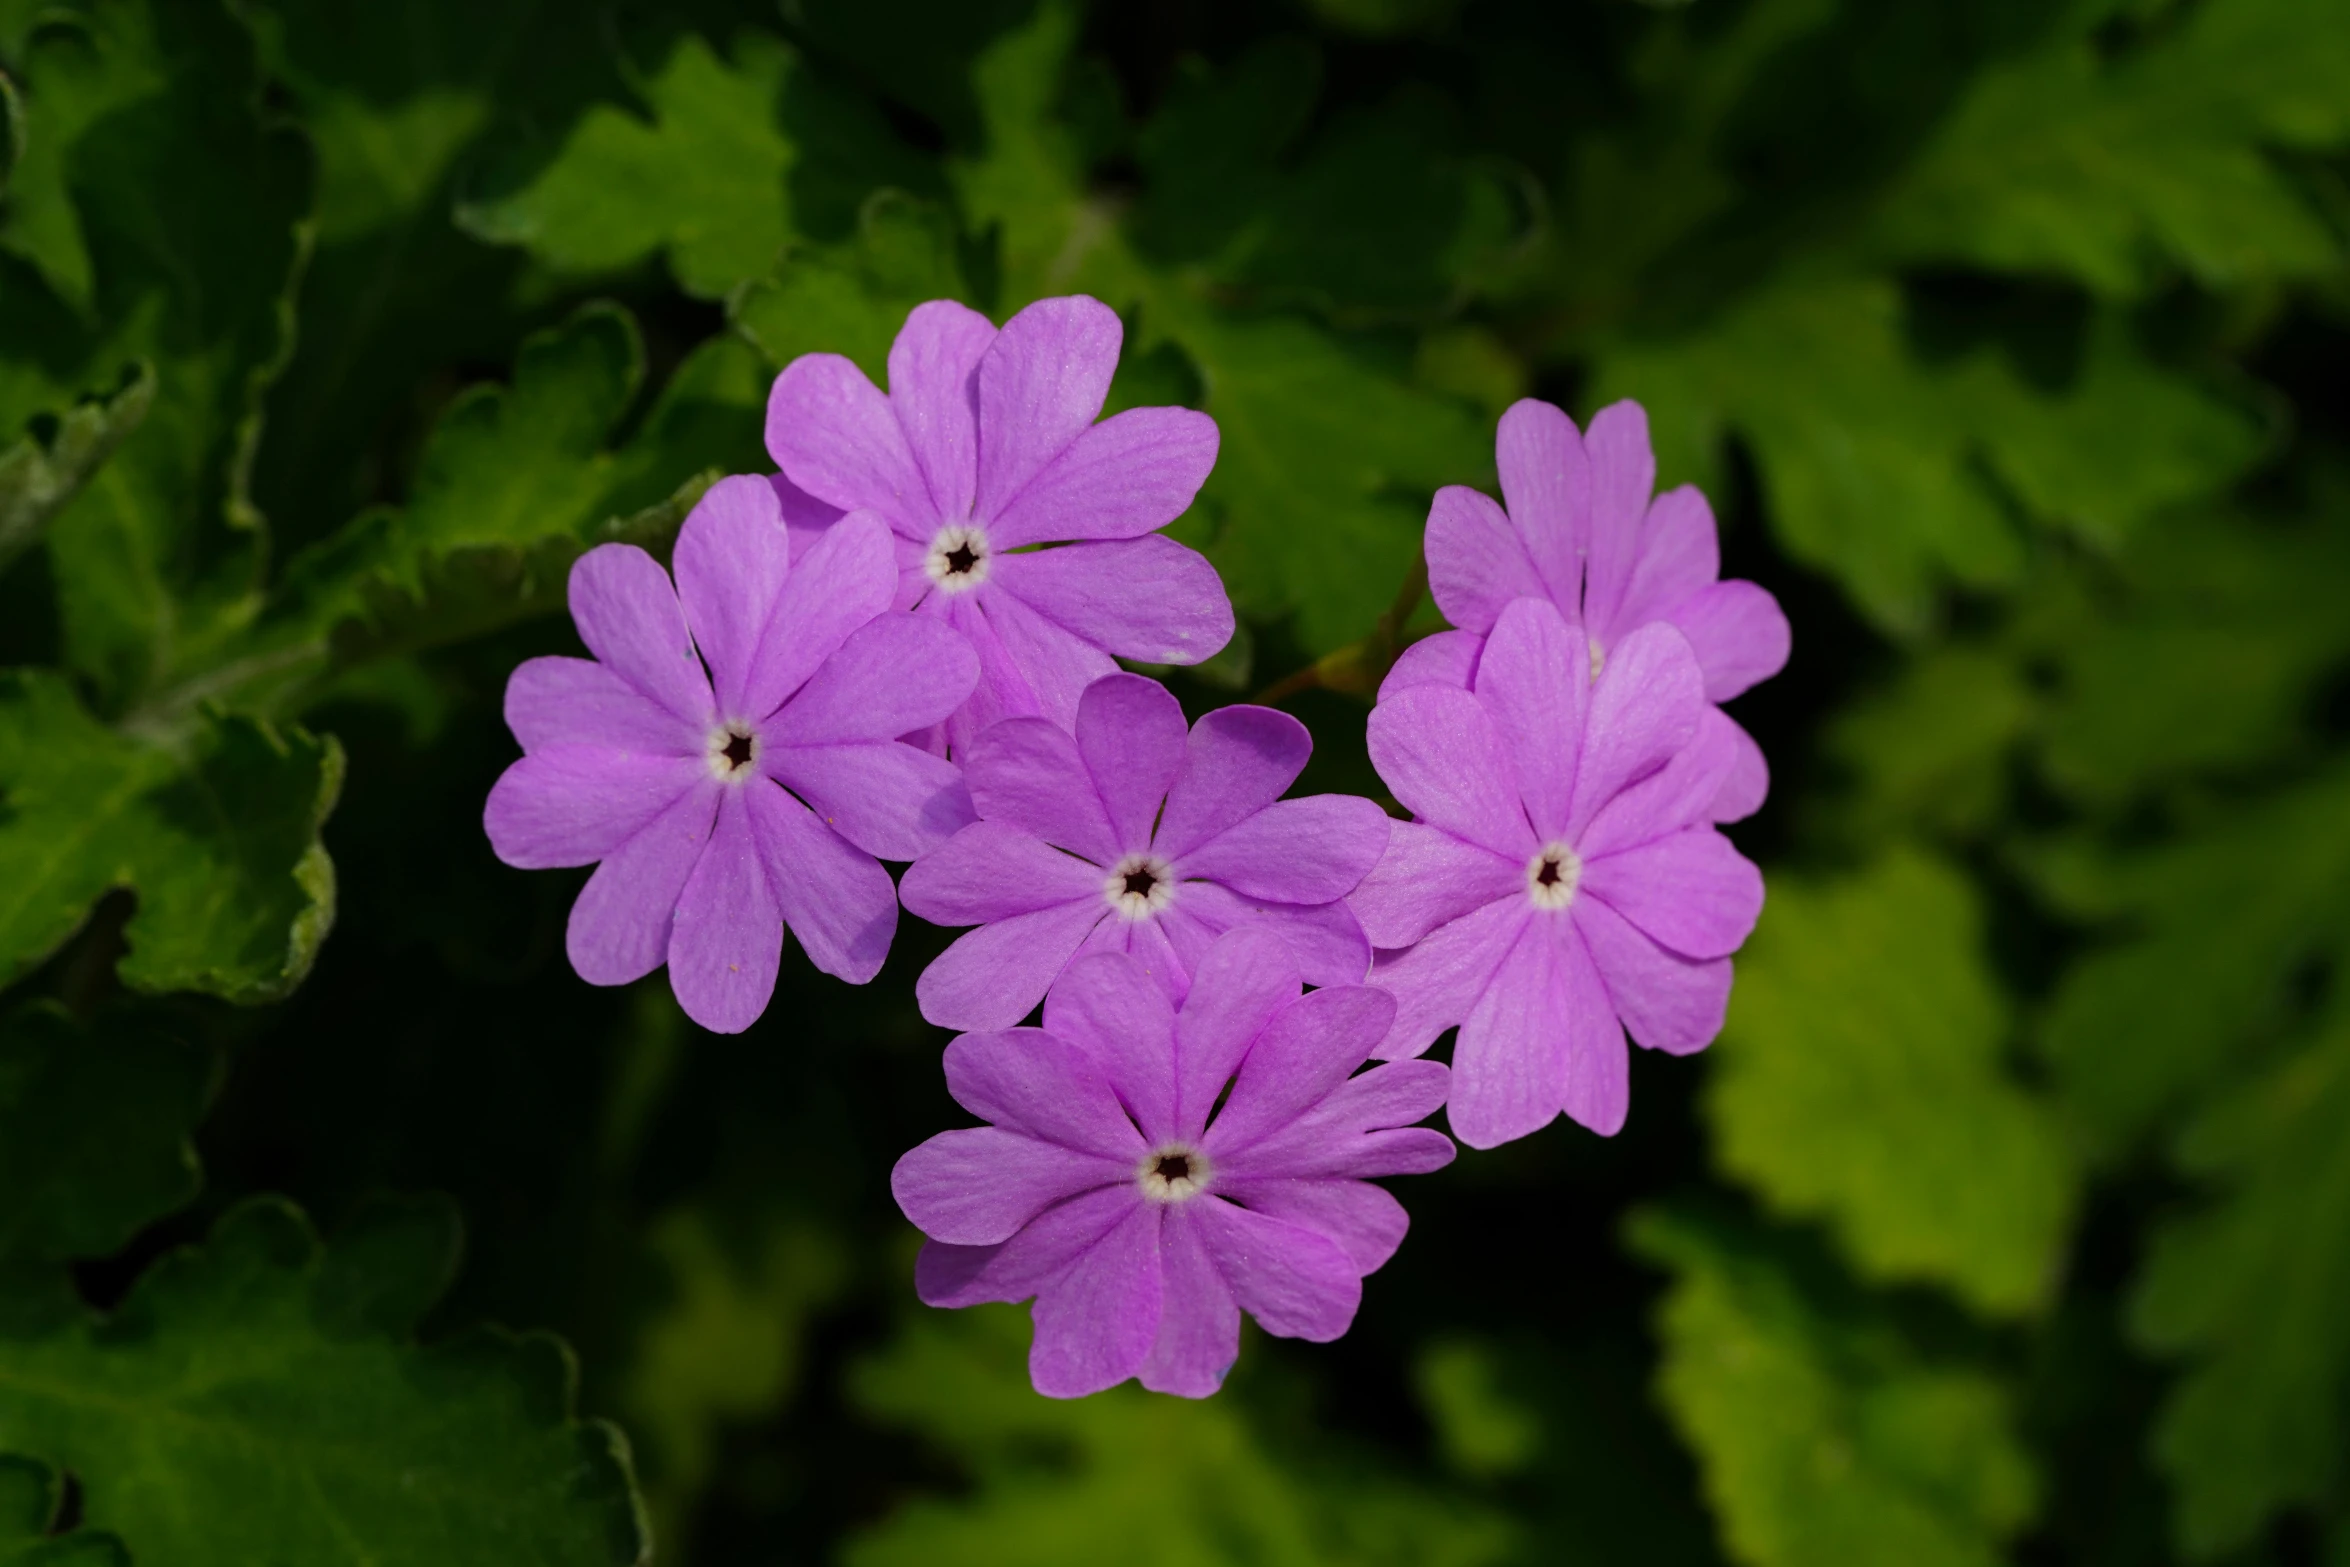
x=1133 y=473
x=1739 y=634
x=842 y=582
x=1041 y=384
x=1599 y=1075
x=979 y=1185
x=890 y=800
x=993 y=871
x=1325 y=940
x=804 y=516
x=1439 y=753
x=1150 y=599
x=1301 y=1056
x=1623 y=476
x=835 y=897
x=1439 y=978
x=1312 y=850
x=1096 y=1321
x=1534 y=682
x=1449 y=658
x=1679 y=555
x=1646 y=705
x=1028 y=773
x=1295 y=1282
x=1366 y=1221
x=728 y=938
x=1130 y=732
x=895 y=673
x=1743 y=792
x=1677 y=795
x=1691 y=890
x=1510 y=1066
x=994 y=976
x=1392 y=1094
x=1426 y=878
x=947 y=1275
x=628 y=615
x=1309 y=1151
x=931 y=366
x=1241 y=983
x=1033 y=1082
x=1106 y=1005
x=731 y=560
x=1039 y=667
x=832 y=433
x=578 y=702
x=1199 y=1322
x=575 y=804
x=1546 y=482
x=1237 y=761
x=1477 y=562
x=1668 y=1002
x=619 y=926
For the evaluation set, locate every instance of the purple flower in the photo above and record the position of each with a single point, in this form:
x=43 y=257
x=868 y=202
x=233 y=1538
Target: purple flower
x=986 y=446
x=1562 y=881
x=1582 y=532
x=729 y=801
x=1129 y=836
x=1143 y=1227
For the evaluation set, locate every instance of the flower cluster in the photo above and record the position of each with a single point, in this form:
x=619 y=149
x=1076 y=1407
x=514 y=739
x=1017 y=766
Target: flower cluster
x=902 y=646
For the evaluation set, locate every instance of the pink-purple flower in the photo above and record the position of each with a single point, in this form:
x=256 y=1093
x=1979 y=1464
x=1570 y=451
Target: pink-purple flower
x=1143 y=1208
x=1562 y=881
x=986 y=447
x=728 y=759
x=1132 y=835
x=1581 y=530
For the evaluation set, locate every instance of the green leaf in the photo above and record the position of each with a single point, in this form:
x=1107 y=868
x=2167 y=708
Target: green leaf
x=191 y=208
x=1859 y=1082
x=1159 y=1482
x=704 y=182
x=95 y=1127
x=239 y=1407
x=1823 y=1434
x=1932 y=748
x=215 y=827
x=852 y=298
x=32 y=1502
x=1873 y=457
x=2209 y=929
x=2253 y=1291
x=516 y=483
x=46 y=468
x=2113 y=165
x=1321 y=486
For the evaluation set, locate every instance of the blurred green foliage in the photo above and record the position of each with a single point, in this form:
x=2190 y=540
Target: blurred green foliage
x=2008 y=1221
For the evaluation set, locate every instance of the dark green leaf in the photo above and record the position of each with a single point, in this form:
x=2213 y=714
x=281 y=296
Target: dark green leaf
x=94 y=1130
x=45 y=469
x=852 y=298
x=232 y=1411
x=32 y=1501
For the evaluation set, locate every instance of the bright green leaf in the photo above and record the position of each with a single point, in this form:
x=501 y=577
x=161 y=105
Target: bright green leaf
x=1859 y=1081
x=1932 y=748
x=214 y=826
x=1823 y=1434
x=1126 y=1475
x=256 y=1400
x=94 y=1130
x=46 y=468
x=852 y=298
x=705 y=181
x=2253 y=1290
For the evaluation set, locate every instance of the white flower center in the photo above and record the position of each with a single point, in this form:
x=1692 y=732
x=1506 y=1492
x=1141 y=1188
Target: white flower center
x=1172 y=1172
x=958 y=557
x=1140 y=885
x=733 y=751
x=1598 y=657
x=1551 y=876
